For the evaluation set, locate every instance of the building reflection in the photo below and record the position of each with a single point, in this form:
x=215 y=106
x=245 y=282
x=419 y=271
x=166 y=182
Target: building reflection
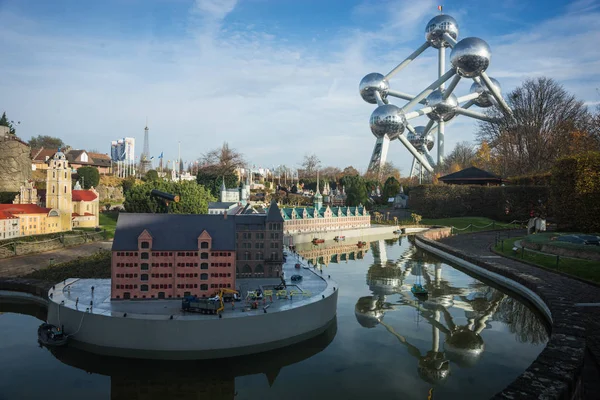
x=214 y=379
x=331 y=253
x=463 y=344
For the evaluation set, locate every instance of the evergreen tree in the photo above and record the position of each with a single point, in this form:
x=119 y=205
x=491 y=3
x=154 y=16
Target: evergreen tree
x=356 y=190
x=5 y=122
x=89 y=177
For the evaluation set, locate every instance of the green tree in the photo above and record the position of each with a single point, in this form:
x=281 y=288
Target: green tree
x=194 y=198
x=127 y=184
x=89 y=176
x=391 y=187
x=356 y=190
x=5 y=122
x=47 y=142
x=212 y=179
x=151 y=175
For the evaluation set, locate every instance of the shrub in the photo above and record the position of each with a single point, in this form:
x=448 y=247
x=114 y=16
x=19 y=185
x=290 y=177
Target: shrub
x=502 y=203
x=575 y=192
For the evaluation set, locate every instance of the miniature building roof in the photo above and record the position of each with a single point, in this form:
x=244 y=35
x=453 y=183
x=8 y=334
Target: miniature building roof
x=40 y=155
x=24 y=209
x=274 y=213
x=221 y=205
x=84 y=195
x=174 y=232
x=471 y=175
x=7 y=215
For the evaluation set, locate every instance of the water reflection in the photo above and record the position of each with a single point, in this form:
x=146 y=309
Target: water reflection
x=146 y=379
x=478 y=304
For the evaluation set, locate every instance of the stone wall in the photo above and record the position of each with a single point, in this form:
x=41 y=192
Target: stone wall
x=109 y=193
x=15 y=162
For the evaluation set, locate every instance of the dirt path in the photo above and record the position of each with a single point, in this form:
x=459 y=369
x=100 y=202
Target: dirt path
x=16 y=266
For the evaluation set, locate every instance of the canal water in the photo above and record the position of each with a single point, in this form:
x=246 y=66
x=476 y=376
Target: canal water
x=468 y=339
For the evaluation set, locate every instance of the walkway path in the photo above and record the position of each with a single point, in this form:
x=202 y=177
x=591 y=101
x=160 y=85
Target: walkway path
x=16 y=266
x=573 y=291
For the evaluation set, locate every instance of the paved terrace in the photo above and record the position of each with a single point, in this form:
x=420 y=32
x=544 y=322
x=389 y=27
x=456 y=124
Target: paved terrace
x=312 y=283
x=575 y=336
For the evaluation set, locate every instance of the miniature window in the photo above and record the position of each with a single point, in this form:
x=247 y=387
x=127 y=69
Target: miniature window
x=144 y=288
x=204 y=286
x=144 y=277
x=145 y=256
x=204 y=256
x=204 y=266
x=204 y=245
x=145 y=245
x=203 y=277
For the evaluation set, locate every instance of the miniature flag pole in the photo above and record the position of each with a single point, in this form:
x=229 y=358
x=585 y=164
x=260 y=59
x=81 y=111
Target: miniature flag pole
x=440 y=9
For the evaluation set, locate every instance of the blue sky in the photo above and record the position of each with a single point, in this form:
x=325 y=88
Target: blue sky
x=277 y=79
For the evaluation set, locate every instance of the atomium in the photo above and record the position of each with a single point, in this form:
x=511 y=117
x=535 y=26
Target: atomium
x=374 y=82
x=485 y=96
x=443 y=109
x=388 y=120
x=469 y=59
x=434 y=32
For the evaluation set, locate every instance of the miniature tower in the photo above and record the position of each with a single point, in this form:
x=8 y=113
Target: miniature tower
x=145 y=162
x=58 y=188
x=318 y=202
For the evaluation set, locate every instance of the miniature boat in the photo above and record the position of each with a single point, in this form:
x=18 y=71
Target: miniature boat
x=361 y=244
x=50 y=335
x=397 y=232
x=297 y=266
x=418 y=290
x=316 y=240
x=339 y=238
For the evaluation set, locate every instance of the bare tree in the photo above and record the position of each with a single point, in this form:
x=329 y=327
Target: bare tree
x=224 y=159
x=331 y=173
x=463 y=155
x=350 y=171
x=310 y=165
x=546 y=117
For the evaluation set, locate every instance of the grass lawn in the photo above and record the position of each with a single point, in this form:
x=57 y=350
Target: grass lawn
x=546 y=238
x=95 y=266
x=468 y=224
x=585 y=269
x=108 y=221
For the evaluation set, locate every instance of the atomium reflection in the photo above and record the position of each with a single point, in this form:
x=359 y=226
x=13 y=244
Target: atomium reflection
x=469 y=58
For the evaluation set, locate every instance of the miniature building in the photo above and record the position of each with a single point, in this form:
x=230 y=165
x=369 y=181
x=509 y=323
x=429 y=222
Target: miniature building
x=323 y=218
x=174 y=255
x=10 y=226
x=77 y=158
x=33 y=219
x=75 y=207
x=231 y=201
x=86 y=208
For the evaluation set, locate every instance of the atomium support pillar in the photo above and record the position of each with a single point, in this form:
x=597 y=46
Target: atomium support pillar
x=379 y=155
x=441 y=124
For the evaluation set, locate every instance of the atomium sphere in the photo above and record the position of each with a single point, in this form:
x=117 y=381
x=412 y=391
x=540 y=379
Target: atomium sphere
x=485 y=96
x=464 y=347
x=471 y=56
x=371 y=83
x=443 y=110
x=429 y=141
x=387 y=120
x=435 y=29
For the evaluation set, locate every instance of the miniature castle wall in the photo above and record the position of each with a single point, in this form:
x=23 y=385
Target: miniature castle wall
x=15 y=161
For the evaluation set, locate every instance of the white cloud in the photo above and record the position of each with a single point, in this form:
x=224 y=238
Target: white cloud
x=269 y=98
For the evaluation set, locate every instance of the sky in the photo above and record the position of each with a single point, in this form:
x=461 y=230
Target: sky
x=276 y=79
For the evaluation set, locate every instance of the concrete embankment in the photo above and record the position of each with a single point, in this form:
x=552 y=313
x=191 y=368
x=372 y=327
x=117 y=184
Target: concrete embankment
x=557 y=372
x=357 y=234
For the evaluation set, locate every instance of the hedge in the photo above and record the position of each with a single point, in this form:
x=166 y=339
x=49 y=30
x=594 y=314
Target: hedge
x=575 y=191
x=501 y=203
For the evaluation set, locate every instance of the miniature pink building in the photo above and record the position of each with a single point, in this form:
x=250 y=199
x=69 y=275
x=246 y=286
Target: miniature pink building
x=163 y=256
